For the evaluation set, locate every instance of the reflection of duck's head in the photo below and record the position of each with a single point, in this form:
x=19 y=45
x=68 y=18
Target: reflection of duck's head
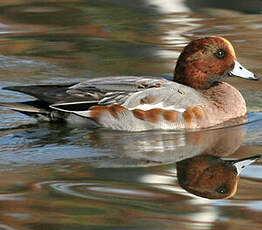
x=210 y=176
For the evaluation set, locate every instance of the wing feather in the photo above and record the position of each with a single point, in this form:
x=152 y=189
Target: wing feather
x=136 y=92
x=110 y=90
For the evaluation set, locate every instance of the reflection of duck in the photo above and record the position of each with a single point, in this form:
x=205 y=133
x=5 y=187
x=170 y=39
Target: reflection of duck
x=205 y=175
x=163 y=147
x=210 y=176
x=196 y=99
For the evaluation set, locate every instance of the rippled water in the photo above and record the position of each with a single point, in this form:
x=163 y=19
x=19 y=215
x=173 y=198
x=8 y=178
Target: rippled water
x=61 y=177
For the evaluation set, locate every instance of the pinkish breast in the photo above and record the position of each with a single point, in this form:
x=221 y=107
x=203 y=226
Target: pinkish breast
x=224 y=103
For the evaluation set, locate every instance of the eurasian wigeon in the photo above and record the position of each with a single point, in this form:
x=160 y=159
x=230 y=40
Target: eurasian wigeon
x=196 y=98
x=210 y=176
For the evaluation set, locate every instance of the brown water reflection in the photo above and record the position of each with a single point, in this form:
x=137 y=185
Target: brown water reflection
x=55 y=177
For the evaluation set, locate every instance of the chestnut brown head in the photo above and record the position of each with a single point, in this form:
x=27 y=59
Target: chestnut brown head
x=205 y=61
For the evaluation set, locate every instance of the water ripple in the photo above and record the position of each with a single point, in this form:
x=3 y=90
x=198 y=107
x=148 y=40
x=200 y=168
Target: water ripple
x=102 y=190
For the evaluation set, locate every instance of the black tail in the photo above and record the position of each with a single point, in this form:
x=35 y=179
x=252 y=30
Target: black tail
x=47 y=93
x=36 y=109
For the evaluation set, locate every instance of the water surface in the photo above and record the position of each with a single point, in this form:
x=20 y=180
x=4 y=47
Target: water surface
x=60 y=177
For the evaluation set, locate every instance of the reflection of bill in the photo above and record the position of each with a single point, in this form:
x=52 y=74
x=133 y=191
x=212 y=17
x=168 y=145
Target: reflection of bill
x=210 y=176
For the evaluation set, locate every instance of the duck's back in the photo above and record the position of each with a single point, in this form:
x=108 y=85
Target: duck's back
x=140 y=103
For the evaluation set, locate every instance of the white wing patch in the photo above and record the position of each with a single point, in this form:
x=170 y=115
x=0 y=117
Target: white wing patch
x=159 y=105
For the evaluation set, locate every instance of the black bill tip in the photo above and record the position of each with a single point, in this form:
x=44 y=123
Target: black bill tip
x=256 y=78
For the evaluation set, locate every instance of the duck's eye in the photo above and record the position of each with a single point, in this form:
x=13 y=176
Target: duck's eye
x=220 y=54
x=221 y=189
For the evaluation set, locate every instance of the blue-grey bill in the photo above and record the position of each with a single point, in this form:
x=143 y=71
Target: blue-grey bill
x=240 y=71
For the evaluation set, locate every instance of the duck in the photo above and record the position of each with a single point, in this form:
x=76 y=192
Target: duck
x=195 y=98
